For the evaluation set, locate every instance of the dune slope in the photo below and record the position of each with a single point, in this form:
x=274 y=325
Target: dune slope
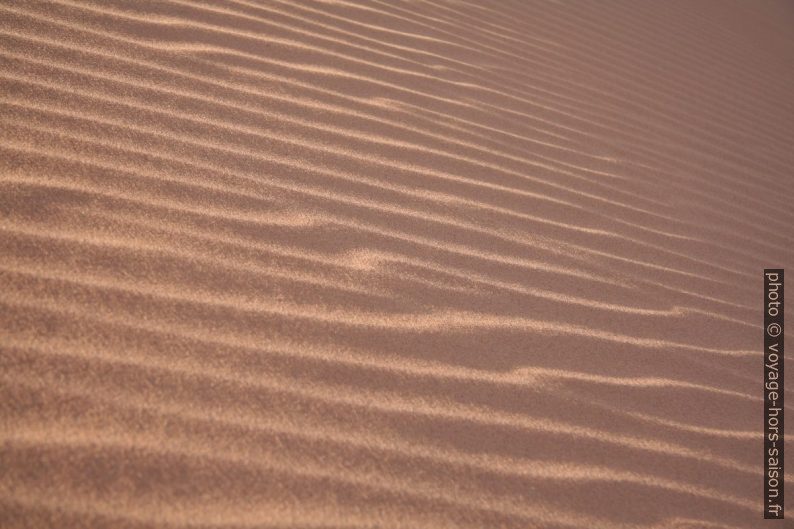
x=437 y=264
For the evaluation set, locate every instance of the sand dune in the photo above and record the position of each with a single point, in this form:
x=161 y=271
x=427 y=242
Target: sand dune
x=377 y=264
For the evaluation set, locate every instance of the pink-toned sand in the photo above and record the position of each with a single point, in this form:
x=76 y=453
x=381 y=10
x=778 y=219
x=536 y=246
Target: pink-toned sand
x=389 y=264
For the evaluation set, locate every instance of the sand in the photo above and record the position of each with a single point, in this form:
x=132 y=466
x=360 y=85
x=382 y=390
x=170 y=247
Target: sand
x=408 y=264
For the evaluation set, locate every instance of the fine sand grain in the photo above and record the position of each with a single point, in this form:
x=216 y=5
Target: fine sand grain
x=443 y=264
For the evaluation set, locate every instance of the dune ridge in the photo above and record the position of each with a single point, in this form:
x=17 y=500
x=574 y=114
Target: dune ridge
x=442 y=263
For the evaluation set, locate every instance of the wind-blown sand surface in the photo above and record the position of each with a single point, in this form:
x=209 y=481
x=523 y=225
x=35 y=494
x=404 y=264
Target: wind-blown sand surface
x=436 y=264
